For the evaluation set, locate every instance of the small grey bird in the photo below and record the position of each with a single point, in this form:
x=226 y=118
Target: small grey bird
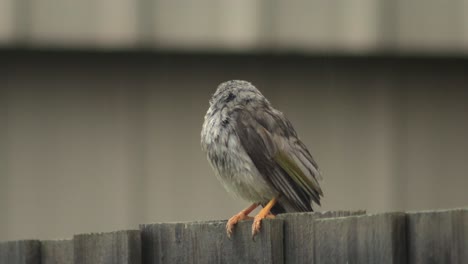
x=257 y=155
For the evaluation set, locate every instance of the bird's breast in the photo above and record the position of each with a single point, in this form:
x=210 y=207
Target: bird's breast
x=232 y=165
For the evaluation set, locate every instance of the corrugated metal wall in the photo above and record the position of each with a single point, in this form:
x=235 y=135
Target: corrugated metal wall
x=356 y=26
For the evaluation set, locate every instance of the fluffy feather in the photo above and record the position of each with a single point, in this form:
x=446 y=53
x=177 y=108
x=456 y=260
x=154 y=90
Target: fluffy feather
x=255 y=151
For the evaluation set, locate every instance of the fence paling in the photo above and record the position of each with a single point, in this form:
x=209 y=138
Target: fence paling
x=329 y=237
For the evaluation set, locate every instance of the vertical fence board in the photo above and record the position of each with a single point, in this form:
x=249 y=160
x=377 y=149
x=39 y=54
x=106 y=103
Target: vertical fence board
x=299 y=234
x=57 y=252
x=328 y=237
x=20 y=252
x=361 y=239
x=438 y=236
x=382 y=238
x=207 y=242
x=122 y=247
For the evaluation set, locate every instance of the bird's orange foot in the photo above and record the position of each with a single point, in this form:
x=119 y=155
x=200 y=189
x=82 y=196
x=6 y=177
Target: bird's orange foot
x=234 y=220
x=257 y=223
x=264 y=213
x=244 y=214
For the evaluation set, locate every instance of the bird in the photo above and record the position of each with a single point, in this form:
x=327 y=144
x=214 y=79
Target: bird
x=257 y=155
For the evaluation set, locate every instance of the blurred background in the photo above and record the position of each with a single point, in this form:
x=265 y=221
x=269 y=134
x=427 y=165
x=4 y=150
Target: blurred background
x=102 y=102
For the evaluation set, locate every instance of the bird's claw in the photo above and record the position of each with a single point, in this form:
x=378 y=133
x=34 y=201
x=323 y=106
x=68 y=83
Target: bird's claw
x=230 y=228
x=257 y=223
x=233 y=221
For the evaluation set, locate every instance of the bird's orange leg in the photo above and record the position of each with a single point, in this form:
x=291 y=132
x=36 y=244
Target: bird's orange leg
x=264 y=213
x=242 y=215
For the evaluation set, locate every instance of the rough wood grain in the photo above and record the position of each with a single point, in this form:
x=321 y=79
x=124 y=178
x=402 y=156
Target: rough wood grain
x=207 y=242
x=20 y=252
x=299 y=233
x=376 y=238
x=122 y=247
x=57 y=252
x=438 y=236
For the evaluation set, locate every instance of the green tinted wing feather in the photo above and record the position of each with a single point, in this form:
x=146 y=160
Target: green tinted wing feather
x=272 y=144
x=297 y=174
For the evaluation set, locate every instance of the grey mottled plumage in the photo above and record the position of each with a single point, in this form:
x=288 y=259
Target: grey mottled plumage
x=255 y=151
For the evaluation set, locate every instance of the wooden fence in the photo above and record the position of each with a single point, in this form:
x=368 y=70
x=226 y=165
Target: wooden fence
x=328 y=237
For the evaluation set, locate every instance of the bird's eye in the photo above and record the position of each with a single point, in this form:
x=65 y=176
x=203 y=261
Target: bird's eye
x=230 y=97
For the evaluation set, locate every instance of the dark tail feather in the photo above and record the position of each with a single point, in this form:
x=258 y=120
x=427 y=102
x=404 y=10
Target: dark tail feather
x=278 y=209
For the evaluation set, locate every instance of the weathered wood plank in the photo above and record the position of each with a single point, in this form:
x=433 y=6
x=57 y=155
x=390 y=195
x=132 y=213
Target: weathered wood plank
x=121 y=247
x=57 y=251
x=299 y=233
x=20 y=252
x=207 y=242
x=438 y=236
x=376 y=238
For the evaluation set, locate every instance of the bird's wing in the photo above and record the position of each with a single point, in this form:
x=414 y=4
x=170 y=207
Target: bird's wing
x=272 y=144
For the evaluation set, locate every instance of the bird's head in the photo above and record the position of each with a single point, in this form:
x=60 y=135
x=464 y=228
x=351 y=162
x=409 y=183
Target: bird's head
x=235 y=93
